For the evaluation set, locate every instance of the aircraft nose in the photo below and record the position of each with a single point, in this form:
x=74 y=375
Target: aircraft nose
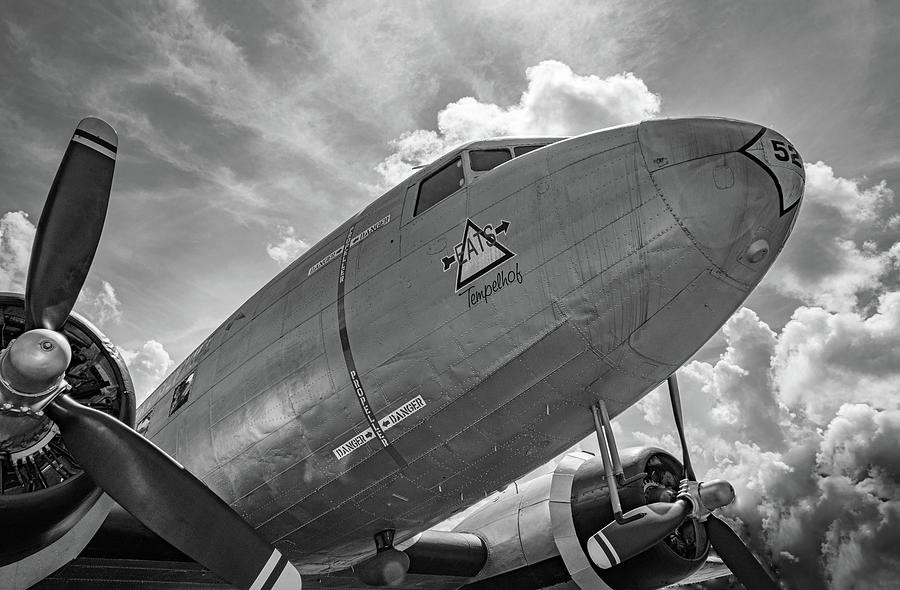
x=733 y=187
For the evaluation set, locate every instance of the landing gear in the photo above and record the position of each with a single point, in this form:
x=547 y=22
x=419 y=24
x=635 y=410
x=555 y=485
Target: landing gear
x=643 y=527
x=609 y=454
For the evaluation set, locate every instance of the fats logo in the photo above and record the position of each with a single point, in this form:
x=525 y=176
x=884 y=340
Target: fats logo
x=478 y=253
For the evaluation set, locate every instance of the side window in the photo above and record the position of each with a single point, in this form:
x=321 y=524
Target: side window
x=181 y=394
x=144 y=425
x=484 y=160
x=440 y=185
x=524 y=149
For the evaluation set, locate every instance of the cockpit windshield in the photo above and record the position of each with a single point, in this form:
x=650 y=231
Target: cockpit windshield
x=440 y=185
x=521 y=150
x=484 y=160
x=451 y=177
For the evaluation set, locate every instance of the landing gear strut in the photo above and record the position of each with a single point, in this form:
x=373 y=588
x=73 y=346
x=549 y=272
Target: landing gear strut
x=612 y=465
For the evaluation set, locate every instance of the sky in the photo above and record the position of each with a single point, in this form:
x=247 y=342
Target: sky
x=248 y=131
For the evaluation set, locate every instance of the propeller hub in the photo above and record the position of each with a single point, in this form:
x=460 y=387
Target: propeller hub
x=35 y=362
x=716 y=493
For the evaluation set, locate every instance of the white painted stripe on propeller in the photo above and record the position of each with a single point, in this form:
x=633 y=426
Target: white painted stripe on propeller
x=266 y=571
x=601 y=557
x=289 y=579
x=597 y=554
x=612 y=550
x=94 y=146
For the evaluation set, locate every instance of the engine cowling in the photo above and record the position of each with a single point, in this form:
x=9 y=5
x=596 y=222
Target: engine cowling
x=44 y=493
x=536 y=533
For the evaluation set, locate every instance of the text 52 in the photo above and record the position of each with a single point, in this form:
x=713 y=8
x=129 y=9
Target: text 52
x=785 y=152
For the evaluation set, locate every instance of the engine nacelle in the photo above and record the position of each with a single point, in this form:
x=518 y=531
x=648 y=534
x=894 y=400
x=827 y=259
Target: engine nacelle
x=44 y=493
x=536 y=533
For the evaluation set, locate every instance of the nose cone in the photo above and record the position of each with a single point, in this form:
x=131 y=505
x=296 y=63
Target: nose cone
x=35 y=361
x=733 y=187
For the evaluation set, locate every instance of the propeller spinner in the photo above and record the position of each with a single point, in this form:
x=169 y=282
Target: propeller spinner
x=133 y=471
x=647 y=525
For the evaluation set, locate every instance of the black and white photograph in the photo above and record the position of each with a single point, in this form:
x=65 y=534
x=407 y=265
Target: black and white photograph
x=450 y=295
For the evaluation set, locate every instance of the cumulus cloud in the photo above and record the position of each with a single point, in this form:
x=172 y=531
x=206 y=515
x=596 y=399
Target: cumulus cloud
x=100 y=305
x=825 y=359
x=16 y=236
x=833 y=254
x=804 y=423
x=744 y=399
x=827 y=512
x=148 y=366
x=288 y=248
x=557 y=101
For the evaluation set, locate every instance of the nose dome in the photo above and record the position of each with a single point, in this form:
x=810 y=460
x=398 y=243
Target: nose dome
x=728 y=185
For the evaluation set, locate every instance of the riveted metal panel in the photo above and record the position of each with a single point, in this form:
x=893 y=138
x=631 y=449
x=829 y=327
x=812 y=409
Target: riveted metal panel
x=703 y=302
x=376 y=243
x=280 y=359
x=668 y=142
x=575 y=149
x=195 y=447
x=252 y=421
x=265 y=328
x=535 y=491
x=535 y=532
x=430 y=225
x=501 y=537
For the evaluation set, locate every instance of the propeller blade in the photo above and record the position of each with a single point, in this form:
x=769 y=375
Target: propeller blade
x=727 y=544
x=70 y=225
x=738 y=557
x=168 y=500
x=639 y=529
x=675 y=397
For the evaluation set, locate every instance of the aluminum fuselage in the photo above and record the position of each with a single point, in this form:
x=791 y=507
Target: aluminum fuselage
x=627 y=250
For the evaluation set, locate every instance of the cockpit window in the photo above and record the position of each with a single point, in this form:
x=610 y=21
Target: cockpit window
x=521 y=150
x=484 y=160
x=440 y=185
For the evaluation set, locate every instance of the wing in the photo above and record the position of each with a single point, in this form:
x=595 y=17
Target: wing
x=712 y=569
x=125 y=553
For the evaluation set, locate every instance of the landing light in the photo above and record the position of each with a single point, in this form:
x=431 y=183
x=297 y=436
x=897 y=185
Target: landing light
x=757 y=251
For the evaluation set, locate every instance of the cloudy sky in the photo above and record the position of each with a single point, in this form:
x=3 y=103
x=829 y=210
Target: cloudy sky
x=248 y=131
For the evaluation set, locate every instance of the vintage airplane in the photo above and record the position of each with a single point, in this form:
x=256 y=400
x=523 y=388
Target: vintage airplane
x=466 y=327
